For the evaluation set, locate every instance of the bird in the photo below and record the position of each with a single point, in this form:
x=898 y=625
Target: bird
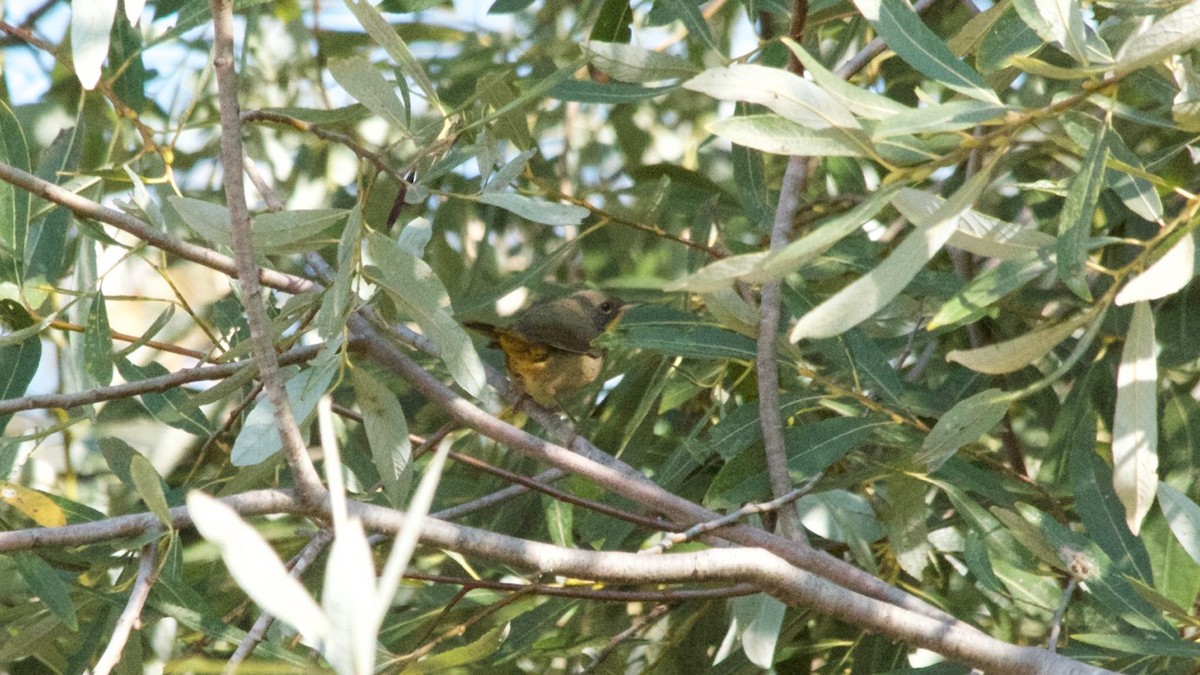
x=548 y=348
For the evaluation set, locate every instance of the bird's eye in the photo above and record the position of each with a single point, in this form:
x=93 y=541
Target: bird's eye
x=606 y=307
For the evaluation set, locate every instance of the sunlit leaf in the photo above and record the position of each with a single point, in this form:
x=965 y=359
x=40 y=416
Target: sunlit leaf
x=1135 y=419
x=91 y=26
x=256 y=567
x=1167 y=275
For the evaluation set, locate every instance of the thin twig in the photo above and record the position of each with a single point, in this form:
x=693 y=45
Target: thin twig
x=132 y=612
x=763 y=507
x=638 y=625
x=299 y=565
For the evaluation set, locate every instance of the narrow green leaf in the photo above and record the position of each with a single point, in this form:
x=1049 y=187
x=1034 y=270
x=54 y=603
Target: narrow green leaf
x=91 y=25
x=173 y=406
x=560 y=521
x=613 y=23
x=367 y=85
x=762 y=633
x=46 y=244
x=20 y=359
x=587 y=91
x=1135 y=420
x=414 y=287
x=969 y=419
x=940 y=118
x=348 y=600
x=97 y=343
x=1183 y=516
x=904 y=31
x=629 y=63
x=904 y=520
x=385 y=36
x=339 y=298
x=547 y=213
x=688 y=13
x=861 y=102
x=872 y=292
x=1098 y=506
x=44 y=582
x=14 y=202
x=1075 y=222
x=787 y=94
x=989 y=287
x=259 y=438
x=150 y=487
x=387 y=434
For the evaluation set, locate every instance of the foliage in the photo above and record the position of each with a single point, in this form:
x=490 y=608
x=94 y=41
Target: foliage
x=986 y=358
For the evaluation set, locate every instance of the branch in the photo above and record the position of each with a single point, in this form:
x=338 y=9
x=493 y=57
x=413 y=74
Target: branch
x=585 y=459
x=308 y=483
x=146 y=386
x=86 y=208
x=760 y=568
x=130 y=615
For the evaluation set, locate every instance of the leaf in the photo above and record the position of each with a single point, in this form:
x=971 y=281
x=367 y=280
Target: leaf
x=1057 y=21
x=1175 y=33
x=861 y=102
x=989 y=287
x=921 y=48
x=45 y=252
x=762 y=633
x=37 y=506
x=173 y=406
x=270 y=232
x=20 y=359
x=91 y=25
x=1135 y=420
x=97 y=343
x=613 y=22
x=688 y=13
x=1183 y=517
x=1012 y=355
x=629 y=63
x=385 y=36
x=256 y=568
x=1167 y=275
x=780 y=136
x=560 y=521
x=587 y=91
x=367 y=85
x=45 y=583
x=977 y=232
x=969 y=419
x=827 y=233
x=259 y=437
x=1075 y=222
x=547 y=213
x=787 y=94
x=387 y=434
x=348 y=600
x=415 y=288
x=717 y=275
x=939 y=118
x=150 y=487
x=872 y=292
x=14 y=202
x=904 y=520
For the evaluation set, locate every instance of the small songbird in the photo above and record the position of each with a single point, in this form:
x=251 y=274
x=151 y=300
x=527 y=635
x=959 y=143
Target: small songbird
x=548 y=347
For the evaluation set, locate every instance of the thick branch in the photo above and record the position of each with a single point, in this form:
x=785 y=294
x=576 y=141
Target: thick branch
x=735 y=565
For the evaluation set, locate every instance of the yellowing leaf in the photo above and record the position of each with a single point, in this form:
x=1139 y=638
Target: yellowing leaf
x=37 y=506
x=1015 y=354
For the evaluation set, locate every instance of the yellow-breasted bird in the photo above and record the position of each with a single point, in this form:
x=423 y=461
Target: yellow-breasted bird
x=548 y=347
